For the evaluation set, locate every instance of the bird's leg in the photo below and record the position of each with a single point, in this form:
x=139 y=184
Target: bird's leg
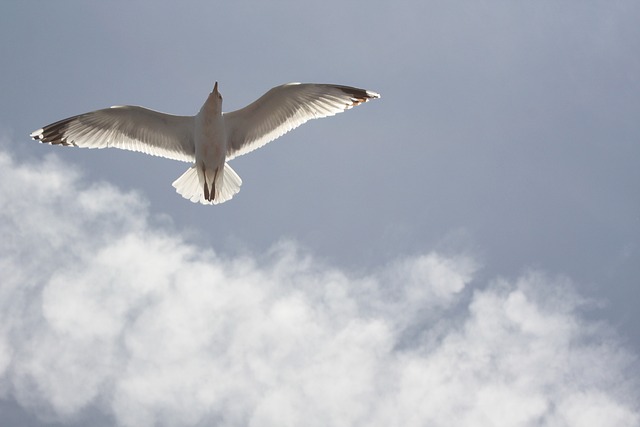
x=206 y=187
x=206 y=191
x=213 y=186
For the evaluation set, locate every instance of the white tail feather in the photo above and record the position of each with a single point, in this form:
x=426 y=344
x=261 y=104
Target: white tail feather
x=228 y=186
x=190 y=186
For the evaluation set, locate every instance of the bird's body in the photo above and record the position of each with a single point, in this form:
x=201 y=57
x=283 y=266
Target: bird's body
x=210 y=138
x=210 y=143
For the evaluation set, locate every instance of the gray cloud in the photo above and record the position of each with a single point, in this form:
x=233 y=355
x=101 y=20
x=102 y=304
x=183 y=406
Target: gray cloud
x=101 y=307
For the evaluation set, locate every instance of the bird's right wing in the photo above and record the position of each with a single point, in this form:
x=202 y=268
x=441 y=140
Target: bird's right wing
x=284 y=108
x=128 y=128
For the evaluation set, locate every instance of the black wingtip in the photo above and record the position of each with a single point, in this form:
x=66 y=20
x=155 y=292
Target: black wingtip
x=357 y=95
x=54 y=134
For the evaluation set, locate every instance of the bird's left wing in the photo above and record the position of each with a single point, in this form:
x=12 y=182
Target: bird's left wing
x=128 y=128
x=284 y=108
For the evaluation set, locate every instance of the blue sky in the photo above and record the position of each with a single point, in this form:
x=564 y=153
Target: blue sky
x=464 y=249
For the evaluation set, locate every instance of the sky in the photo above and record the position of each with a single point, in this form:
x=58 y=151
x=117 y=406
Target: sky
x=463 y=251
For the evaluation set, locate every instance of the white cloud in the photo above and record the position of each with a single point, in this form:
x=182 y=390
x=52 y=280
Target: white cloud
x=98 y=307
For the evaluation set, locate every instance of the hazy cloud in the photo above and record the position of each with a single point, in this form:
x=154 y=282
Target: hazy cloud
x=101 y=307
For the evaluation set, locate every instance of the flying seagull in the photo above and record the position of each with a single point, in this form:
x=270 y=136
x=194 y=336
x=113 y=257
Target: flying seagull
x=210 y=138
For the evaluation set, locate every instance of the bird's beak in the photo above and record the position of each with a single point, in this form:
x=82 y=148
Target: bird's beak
x=215 y=88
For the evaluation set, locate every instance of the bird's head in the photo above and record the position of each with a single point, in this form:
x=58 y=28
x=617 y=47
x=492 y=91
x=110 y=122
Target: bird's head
x=214 y=101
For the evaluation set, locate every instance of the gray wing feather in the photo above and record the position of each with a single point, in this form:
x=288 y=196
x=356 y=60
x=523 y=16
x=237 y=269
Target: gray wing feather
x=128 y=128
x=284 y=108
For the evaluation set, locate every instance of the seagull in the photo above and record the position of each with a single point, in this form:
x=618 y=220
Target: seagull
x=209 y=139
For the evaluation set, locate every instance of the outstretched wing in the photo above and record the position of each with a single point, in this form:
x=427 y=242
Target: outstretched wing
x=284 y=108
x=128 y=128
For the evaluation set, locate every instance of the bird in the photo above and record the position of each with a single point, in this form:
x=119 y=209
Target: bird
x=211 y=138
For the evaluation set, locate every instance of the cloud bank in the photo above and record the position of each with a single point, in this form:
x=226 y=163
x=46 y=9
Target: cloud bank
x=101 y=307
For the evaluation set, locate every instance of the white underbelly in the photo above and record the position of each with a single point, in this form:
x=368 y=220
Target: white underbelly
x=210 y=144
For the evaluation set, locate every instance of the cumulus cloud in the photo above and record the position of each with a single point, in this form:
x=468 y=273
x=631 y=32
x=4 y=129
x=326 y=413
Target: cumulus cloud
x=100 y=308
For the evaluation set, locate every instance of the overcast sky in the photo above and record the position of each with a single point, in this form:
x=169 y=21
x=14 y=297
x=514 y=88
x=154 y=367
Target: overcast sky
x=463 y=251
